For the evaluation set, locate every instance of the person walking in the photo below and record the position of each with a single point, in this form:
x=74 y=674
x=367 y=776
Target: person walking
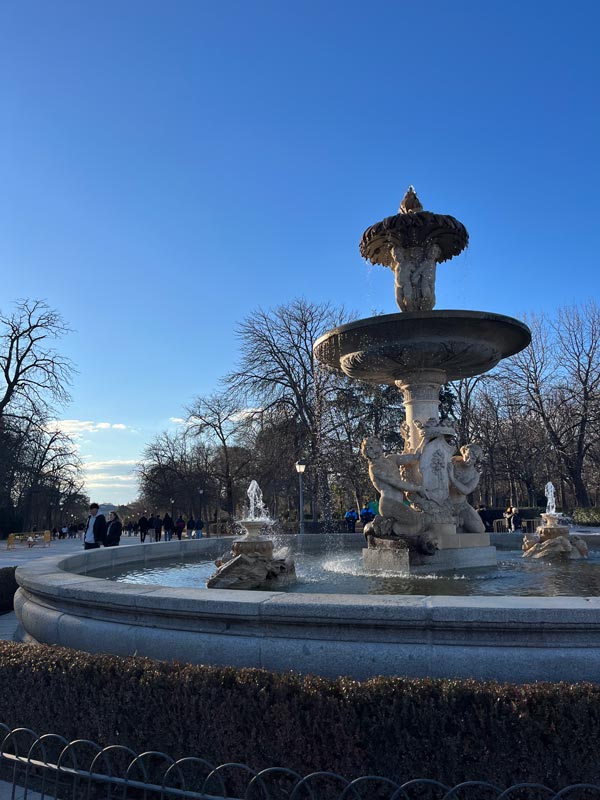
x=95 y=529
x=351 y=516
x=179 y=526
x=158 y=523
x=168 y=526
x=366 y=515
x=113 y=531
x=143 y=526
x=199 y=526
x=190 y=527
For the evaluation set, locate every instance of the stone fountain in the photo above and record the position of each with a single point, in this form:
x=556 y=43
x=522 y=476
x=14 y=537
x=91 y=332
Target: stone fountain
x=252 y=564
x=425 y=520
x=551 y=539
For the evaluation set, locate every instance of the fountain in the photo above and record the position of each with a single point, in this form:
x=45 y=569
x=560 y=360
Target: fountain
x=551 y=539
x=419 y=350
x=400 y=624
x=251 y=564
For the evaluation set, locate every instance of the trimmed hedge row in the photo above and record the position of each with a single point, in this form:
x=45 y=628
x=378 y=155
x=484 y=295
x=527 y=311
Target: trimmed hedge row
x=587 y=516
x=448 y=730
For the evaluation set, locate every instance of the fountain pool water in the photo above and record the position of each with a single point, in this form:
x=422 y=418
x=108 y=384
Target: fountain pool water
x=345 y=574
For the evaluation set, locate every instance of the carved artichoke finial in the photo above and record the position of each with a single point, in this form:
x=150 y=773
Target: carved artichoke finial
x=410 y=202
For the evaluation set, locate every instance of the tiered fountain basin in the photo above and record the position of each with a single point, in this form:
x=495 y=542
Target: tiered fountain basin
x=387 y=348
x=62 y=601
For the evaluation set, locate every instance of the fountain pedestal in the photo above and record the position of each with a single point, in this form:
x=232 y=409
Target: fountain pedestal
x=552 y=540
x=251 y=563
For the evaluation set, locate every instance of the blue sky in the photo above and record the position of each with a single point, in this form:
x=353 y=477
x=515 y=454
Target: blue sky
x=167 y=167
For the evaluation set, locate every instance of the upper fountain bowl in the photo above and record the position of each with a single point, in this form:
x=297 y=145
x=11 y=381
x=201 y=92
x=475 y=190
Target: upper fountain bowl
x=387 y=348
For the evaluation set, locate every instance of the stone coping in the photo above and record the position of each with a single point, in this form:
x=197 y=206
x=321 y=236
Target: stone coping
x=506 y=638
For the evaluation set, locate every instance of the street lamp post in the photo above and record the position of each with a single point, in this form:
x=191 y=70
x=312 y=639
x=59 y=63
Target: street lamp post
x=300 y=467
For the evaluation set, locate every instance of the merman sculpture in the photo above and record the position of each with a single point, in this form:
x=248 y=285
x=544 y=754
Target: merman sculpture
x=425 y=518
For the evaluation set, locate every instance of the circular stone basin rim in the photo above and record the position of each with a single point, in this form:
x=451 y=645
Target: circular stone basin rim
x=518 y=639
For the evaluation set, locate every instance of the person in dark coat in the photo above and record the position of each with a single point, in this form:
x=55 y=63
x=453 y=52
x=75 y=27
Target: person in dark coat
x=179 y=526
x=168 y=527
x=366 y=515
x=191 y=527
x=95 y=529
x=157 y=527
x=113 y=531
x=351 y=516
x=143 y=526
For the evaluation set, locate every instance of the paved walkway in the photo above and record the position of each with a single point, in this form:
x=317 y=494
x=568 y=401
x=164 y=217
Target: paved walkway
x=21 y=554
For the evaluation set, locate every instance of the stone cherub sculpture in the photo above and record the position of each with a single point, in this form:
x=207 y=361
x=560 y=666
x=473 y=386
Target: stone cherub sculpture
x=384 y=471
x=414 y=273
x=396 y=520
x=414 y=267
x=463 y=475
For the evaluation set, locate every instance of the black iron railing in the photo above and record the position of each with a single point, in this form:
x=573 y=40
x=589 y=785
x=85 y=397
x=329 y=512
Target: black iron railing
x=49 y=767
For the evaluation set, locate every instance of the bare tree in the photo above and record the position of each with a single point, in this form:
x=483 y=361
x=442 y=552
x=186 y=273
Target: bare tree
x=219 y=419
x=39 y=466
x=33 y=375
x=558 y=377
x=277 y=370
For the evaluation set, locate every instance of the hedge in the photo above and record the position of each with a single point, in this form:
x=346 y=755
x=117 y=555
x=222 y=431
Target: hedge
x=587 y=516
x=448 y=730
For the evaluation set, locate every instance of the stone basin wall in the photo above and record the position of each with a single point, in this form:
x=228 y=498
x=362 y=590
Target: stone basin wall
x=518 y=639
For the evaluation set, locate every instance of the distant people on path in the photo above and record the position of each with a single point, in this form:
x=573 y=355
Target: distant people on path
x=168 y=527
x=158 y=523
x=514 y=521
x=366 y=515
x=351 y=517
x=113 y=530
x=152 y=528
x=199 y=527
x=179 y=526
x=129 y=528
x=190 y=527
x=143 y=526
x=95 y=529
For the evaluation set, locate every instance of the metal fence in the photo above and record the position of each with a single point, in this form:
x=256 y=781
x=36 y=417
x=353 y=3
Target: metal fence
x=48 y=767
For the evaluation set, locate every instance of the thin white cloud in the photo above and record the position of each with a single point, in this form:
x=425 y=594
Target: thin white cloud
x=112 y=462
x=77 y=427
x=95 y=478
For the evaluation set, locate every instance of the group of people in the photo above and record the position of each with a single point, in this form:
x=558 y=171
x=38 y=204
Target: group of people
x=98 y=532
x=514 y=521
x=154 y=526
x=351 y=517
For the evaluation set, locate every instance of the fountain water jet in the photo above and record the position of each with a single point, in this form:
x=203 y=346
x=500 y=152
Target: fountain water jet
x=251 y=563
x=551 y=539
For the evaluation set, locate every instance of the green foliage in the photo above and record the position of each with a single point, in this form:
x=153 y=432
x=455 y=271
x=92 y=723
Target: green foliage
x=8 y=587
x=587 y=516
x=448 y=730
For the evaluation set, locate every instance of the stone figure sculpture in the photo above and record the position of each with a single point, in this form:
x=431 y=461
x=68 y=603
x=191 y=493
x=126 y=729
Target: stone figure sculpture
x=551 y=498
x=384 y=471
x=463 y=474
x=414 y=271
